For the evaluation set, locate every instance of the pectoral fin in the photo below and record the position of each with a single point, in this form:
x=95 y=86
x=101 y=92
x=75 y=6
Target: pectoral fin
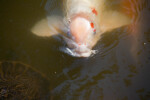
x=112 y=19
x=48 y=27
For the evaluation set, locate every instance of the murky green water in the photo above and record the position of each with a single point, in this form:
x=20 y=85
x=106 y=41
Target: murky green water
x=120 y=71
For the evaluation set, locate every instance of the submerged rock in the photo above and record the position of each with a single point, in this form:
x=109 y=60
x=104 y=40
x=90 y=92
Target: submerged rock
x=20 y=82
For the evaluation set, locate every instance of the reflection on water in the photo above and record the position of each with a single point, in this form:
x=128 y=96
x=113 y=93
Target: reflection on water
x=120 y=70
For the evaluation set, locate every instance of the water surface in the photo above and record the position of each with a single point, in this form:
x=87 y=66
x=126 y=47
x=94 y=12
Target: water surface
x=119 y=71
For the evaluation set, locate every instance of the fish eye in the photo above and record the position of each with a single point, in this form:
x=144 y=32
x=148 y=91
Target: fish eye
x=94 y=31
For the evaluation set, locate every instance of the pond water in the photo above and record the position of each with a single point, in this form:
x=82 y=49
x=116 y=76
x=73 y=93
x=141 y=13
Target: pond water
x=119 y=71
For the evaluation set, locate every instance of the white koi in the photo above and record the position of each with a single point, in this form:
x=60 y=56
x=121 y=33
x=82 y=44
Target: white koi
x=81 y=25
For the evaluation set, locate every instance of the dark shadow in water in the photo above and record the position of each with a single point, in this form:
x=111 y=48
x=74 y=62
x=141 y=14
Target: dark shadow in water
x=19 y=44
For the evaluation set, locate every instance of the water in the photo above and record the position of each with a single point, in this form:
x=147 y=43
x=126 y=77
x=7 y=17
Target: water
x=119 y=71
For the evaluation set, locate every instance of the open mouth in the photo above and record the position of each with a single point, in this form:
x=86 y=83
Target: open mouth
x=79 y=51
x=75 y=53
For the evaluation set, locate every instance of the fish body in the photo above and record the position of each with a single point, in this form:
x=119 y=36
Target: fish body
x=81 y=25
x=82 y=22
x=138 y=11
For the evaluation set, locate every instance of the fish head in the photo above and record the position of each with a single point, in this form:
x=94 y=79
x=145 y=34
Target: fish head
x=80 y=43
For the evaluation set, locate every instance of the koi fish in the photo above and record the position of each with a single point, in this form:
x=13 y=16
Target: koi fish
x=138 y=11
x=81 y=24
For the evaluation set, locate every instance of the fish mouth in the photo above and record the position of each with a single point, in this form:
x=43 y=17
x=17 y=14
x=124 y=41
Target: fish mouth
x=79 y=51
x=75 y=53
